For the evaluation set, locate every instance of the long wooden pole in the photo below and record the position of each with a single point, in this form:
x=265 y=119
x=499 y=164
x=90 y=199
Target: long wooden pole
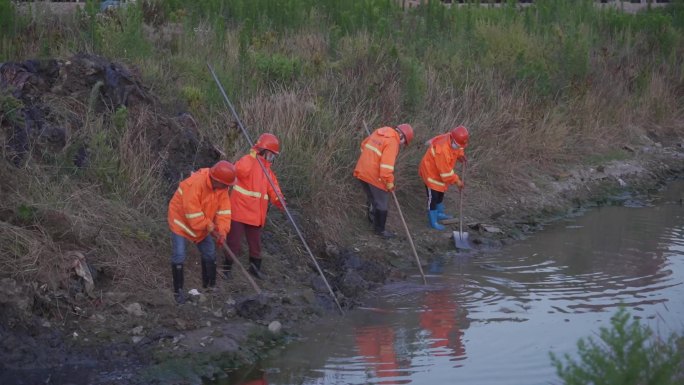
x=270 y=181
x=401 y=215
x=242 y=269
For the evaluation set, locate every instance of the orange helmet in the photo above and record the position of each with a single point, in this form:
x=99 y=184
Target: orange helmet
x=460 y=135
x=268 y=142
x=407 y=131
x=223 y=172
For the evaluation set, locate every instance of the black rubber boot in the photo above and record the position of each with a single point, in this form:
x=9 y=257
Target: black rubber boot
x=370 y=212
x=211 y=274
x=227 y=272
x=380 y=220
x=205 y=274
x=255 y=268
x=177 y=274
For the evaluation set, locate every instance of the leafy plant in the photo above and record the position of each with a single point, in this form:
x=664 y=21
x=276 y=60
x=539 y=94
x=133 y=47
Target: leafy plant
x=627 y=354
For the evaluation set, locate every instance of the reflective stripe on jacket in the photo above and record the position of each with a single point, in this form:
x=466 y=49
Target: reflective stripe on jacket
x=195 y=204
x=437 y=166
x=378 y=154
x=252 y=192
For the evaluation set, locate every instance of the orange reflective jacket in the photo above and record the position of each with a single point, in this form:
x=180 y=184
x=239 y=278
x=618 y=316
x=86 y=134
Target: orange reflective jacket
x=437 y=166
x=252 y=191
x=378 y=154
x=195 y=204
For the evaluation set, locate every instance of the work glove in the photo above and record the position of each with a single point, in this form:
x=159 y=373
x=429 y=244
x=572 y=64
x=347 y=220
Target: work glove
x=220 y=238
x=210 y=227
x=279 y=204
x=463 y=159
x=459 y=184
x=390 y=186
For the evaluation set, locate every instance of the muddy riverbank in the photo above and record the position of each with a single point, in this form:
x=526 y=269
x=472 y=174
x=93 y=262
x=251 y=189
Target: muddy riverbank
x=133 y=338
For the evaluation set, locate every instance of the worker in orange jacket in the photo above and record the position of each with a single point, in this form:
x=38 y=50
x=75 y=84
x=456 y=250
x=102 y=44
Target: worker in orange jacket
x=437 y=170
x=375 y=170
x=250 y=198
x=200 y=208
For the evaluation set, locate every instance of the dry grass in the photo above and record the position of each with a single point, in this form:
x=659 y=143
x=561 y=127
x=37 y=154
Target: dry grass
x=115 y=211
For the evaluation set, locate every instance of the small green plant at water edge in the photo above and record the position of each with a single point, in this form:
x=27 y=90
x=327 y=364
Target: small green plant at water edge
x=627 y=354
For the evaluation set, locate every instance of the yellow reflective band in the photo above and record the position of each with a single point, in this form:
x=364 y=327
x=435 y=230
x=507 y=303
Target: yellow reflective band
x=374 y=149
x=447 y=174
x=387 y=166
x=194 y=215
x=184 y=227
x=180 y=191
x=243 y=191
x=436 y=182
x=432 y=149
x=223 y=212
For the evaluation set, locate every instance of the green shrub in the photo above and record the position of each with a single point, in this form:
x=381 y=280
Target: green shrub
x=276 y=67
x=414 y=85
x=627 y=354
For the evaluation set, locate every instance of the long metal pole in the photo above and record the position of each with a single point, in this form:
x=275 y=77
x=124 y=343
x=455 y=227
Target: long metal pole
x=401 y=215
x=277 y=191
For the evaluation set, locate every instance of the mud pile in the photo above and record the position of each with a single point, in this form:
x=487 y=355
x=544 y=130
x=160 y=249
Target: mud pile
x=44 y=105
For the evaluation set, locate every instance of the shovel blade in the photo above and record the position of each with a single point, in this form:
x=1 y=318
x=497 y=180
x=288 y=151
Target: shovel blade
x=461 y=240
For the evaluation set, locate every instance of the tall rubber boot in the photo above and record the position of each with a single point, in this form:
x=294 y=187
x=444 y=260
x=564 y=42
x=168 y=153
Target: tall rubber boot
x=380 y=220
x=432 y=216
x=205 y=276
x=255 y=268
x=227 y=272
x=440 y=212
x=177 y=274
x=211 y=274
x=370 y=212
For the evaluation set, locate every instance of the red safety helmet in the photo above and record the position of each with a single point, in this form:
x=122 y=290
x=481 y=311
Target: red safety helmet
x=407 y=131
x=460 y=135
x=223 y=172
x=268 y=142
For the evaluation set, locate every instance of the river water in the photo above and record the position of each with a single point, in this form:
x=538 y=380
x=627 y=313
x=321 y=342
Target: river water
x=492 y=318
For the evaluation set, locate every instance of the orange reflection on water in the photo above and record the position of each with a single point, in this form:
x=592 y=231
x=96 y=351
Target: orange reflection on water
x=439 y=318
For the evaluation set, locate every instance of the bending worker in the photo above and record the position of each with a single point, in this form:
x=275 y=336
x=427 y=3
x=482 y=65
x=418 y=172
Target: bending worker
x=375 y=170
x=250 y=198
x=437 y=170
x=200 y=208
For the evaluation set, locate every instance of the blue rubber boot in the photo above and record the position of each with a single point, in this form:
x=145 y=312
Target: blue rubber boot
x=440 y=212
x=432 y=215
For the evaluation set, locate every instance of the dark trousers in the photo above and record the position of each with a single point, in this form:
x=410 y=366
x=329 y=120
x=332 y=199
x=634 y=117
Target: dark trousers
x=433 y=198
x=239 y=230
x=379 y=198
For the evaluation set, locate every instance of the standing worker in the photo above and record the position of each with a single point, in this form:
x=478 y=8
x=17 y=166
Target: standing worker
x=250 y=197
x=437 y=170
x=375 y=170
x=200 y=208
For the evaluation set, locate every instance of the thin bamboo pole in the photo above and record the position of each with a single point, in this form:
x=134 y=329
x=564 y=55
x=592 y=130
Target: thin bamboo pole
x=401 y=215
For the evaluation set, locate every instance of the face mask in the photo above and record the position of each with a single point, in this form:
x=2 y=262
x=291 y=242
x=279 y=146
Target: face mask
x=454 y=145
x=269 y=156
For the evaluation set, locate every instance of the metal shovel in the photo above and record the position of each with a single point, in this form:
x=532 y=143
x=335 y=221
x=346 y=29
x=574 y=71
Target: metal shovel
x=461 y=237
